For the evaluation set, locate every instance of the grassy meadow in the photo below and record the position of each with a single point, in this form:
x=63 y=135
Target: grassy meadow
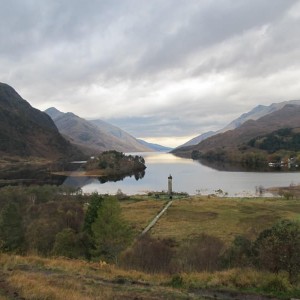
x=220 y=217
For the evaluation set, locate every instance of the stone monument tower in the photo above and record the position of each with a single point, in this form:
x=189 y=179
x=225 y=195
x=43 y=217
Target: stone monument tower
x=170 y=186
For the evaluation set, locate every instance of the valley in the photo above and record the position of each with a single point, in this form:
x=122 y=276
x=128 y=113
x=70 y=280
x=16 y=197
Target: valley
x=75 y=230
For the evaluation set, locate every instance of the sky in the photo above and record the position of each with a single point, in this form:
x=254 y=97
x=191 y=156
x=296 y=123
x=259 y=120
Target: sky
x=162 y=70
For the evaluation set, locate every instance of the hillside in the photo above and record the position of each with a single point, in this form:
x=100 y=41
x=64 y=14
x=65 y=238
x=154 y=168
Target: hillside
x=254 y=114
x=26 y=131
x=94 y=136
x=233 y=143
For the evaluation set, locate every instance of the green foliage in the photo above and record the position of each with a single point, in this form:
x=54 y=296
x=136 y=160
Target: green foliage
x=116 y=163
x=280 y=139
x=253 y=159
x=278 y=248
x=67 y=244
x=111 y=234
x=239 y=254
x=92 y=212
x=276 y=286
x=36 y=215
x=40 y=236
x=176 y=281
x=11 y=229
x=218 y=154
x=49 y=220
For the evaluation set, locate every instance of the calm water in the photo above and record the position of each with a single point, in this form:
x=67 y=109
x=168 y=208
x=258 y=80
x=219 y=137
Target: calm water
x=188 y=176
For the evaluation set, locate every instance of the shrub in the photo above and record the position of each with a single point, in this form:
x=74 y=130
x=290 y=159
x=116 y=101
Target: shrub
x=150 y=255
x=200 y=254
x=239 y=254
x=278 y=248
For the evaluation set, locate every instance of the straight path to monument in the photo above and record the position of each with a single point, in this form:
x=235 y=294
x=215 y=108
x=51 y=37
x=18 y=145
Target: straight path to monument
x=157 y=217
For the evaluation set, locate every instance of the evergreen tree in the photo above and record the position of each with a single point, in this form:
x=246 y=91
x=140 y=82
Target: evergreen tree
x=111 y=233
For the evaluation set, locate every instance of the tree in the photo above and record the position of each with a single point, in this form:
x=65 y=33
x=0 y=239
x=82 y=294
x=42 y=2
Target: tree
x=40 y=236
x=92 y=212
x=111 y=233
x=278 y=248
x=11 y=229
x=66 y=244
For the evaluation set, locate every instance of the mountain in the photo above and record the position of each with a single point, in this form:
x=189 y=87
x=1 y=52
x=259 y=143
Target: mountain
x=198 y=139
x=94 y=136
x=155 y=147
x=256 y=113
x=26 y=131
x=127 y=138
x=237 y=140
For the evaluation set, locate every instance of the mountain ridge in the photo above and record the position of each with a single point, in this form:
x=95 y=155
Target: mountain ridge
x=254 y=114
x=234 y=141
x=26 y=131
x=94 y=136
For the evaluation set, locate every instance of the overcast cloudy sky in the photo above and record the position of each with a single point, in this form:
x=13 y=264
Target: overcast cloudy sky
x=163 y=70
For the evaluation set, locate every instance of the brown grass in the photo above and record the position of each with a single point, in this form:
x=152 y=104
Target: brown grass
x=41 y=278
x=221 y=217
x=140 y=213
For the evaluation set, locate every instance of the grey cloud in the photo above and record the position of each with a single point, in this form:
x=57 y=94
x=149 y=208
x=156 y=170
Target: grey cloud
x=169 y=67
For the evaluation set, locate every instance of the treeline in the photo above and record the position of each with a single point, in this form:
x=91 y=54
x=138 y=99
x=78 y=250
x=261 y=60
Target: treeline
x=115 y=163
x=50 y=220
x=243 y=156
x=282 y=139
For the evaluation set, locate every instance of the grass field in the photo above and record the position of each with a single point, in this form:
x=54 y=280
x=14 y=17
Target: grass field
x=220 y=217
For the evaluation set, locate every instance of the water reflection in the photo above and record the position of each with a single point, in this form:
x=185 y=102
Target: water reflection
x=188 y=176
x=81 y=181
x=194 y=177
x=165 y=158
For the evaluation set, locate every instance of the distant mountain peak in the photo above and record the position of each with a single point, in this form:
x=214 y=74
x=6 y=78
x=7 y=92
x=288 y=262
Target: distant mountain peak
x=53 y=112
x=94 y=136
x=256 y=113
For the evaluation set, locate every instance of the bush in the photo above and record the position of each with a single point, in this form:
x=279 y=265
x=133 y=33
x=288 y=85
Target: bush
x=200 y=254
x=276 y=285
x=239 y=254
x=66 y=244
x=176 y=281
x=278 y=249
x=150 y=255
